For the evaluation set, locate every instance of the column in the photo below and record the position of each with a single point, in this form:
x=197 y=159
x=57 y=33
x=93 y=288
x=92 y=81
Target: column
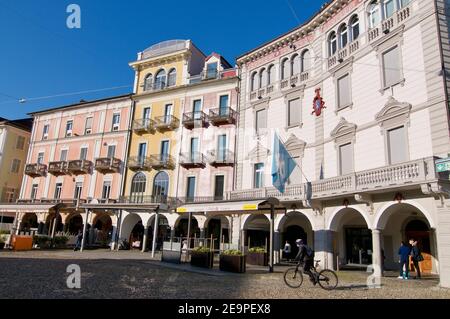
x=202 y=236
x=85 y=223
x=443 y=242
x=323 y=247
x=155 y=234
x=278 y=247
x=235 y=231
x=172 y=233
x=376 y=253
x=113 y=237
x=144 y=240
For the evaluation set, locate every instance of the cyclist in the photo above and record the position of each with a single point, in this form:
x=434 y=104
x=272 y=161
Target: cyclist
x=306 y=256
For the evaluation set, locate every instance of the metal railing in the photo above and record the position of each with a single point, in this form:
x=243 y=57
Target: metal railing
x=168 y=122
x=108 y=164
x=139 y=163
x=80 y=166
x=221 y=158
x=192 y=159
x=58 y=168
x=191 y=119
x=144 y=125
x=162 y=161
x=35 y=170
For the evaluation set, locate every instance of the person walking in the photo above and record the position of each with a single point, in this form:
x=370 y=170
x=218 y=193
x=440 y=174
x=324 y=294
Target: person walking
x=79 y=241
x=287 y=250
x=416 y=257
x=404 y=252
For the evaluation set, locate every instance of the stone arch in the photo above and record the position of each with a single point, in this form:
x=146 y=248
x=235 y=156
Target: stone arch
x=282 y=219
x=386 y=211
x=334 y=219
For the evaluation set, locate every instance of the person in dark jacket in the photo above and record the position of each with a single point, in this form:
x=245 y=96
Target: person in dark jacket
x=415 y=256
x=404 y=253
x=79 y=240
x=308 y=261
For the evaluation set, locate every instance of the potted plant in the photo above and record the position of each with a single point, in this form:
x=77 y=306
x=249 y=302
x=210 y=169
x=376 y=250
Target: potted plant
x=202 y=257
x=258 y=256
x=43 y=242
x=61 y=241
x=232 y=261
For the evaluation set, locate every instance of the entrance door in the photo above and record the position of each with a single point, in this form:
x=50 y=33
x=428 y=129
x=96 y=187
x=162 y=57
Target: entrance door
x=358 y=244
x=419 y=231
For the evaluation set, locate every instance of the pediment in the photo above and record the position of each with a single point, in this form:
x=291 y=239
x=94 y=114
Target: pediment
x=343 y=128
x=295 y=146
x=394 y=109
x=258 y=154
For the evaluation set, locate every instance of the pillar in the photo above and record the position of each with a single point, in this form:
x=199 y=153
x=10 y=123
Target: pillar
x=278 y=247
x=202 y=237
x=235 y=231
x=155 y=234
x=443 y=242
x=144 y=240
x=172 y=233
x=376 y=253
x=323 y=247
x=85 y=223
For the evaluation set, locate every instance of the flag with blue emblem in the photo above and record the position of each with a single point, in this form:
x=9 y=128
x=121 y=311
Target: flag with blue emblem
x=282 y=164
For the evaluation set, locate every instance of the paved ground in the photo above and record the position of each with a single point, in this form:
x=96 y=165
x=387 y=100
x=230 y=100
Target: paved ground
x=125 y=275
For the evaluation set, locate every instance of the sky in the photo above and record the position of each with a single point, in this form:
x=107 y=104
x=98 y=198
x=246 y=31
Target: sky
x=45 y=62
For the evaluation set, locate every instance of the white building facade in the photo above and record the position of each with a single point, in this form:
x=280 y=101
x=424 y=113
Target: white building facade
x=370 y=152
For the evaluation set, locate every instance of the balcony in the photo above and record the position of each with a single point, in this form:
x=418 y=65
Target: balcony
x=80 y=167
x=139 y=198
x=222 y=116
x=144 y=126
x=390 y=24
x=58 y=168
x=192 y=160
x=108 y=165
x=195 y=120
x=139 y=163
x=166 y=123
x=35 y=170
x=220 y=159
x=53 y=201
x=409 y=175
x=343 y=54
x=162 y=161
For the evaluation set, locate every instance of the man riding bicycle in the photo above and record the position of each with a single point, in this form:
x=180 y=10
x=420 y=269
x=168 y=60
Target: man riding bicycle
x=305 y=256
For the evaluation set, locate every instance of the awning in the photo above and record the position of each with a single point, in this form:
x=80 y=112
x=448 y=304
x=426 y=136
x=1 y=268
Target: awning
x=131 y=207
x=241 y=206
x=26 y=208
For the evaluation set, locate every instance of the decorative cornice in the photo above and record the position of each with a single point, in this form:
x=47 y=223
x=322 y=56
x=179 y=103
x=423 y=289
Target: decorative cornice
x=343 y=128
x=295 y=146
x=258 y=154
x=393 y=109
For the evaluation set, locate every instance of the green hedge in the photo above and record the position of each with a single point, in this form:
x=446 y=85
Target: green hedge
x=257 y=250
x=233 y=252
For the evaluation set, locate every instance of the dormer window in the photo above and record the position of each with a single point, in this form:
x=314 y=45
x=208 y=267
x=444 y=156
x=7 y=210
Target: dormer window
x=211 y=70
x=160 y=80
x=172 y=78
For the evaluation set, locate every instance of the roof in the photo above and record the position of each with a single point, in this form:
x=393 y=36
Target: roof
x=23 y=124
x=82 y=103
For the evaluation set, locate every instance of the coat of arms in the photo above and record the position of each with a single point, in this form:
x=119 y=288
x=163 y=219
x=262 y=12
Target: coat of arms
x=318 y=104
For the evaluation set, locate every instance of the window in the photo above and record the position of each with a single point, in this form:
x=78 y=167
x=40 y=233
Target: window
x=219 y=187
x=63 y=156
x=270 y=74
x=404 y=3
x=332 y=44
x=34 y=190
x=306 y=61
x=197 y=109
x=262 y=78
x=168 y=113
x=138 y=186
x=194 y=149
x=294 y=112
x=69 y=128
x=190 y=190
x=285 y=69
x=172 y=78
x=147 y=113
x=88 y=126
x=45 y=131
x=10 y=195
x=346 y=159
x=389 y=8
x=148 y=82
x=211 y=70
x=40 y=158
x=374 y=14
x=161 y=186
x=160 y=80
x=222 y=148
x=58 y=190
x=106 y=190
x=111 y=151
x=15 y=166
x=354 y=27
x=20 y=142
x=253 y=84
x=295 y=65
x=391 y=67
x=223 y=104
x=142 y=152
x=261 y=120
x=343 y=35
x=343 y=85
x=78 y=190
x=164 y=151
x=116 y=122
x=83 y=153
x=258 y=181
x=397 y=150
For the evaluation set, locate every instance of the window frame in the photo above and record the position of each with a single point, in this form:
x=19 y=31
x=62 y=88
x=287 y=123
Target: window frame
x=352 y=155
x=69 y=132
x=44 y=132
x=332 y=41
x=260 y=171
x=88 y=130
x=116 y=126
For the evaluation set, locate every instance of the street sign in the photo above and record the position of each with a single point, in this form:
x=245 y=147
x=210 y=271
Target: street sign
x=443 y=165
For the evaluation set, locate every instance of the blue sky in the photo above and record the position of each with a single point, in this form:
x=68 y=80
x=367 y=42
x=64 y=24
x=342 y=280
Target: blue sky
x=40 y=56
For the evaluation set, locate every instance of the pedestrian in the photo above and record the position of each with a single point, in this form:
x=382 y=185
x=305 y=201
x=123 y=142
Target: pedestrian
x=79 y=240
x=404 y=252
x=287 y=250
x=416 y=257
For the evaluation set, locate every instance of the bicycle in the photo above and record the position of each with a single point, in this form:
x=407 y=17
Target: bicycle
x=327 y=279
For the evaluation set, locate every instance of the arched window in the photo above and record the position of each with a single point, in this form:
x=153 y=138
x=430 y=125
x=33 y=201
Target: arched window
x=160 y=80
x=354 y=27
x=295 y=64
x=270 y=74
x=374 y=14
x=161 y=187
x=262 y=78
x=172 y=77
x=389 y=8
x=343 y=36
x=306 y=61
x=148 y=82
x=253 y=81
x=285 y=69
x=332 y=44
x=138 y=186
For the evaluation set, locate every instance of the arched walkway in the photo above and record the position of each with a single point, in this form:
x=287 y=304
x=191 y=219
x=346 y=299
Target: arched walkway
x=74 y=224
x=132 y=230
x=49 y=222
x=256 y=231
x=29 y=222
x=218 y=228
x=103 y=229
x=295 y=225
x=162 y=234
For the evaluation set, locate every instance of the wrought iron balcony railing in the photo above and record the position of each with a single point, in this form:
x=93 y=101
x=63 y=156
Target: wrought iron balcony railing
x=222 y=116
x=107 y=165
x=162 y=161
x=221 y=158
x=167 y=123
x=80 y=167
x=58 y=168
x=144 y=126
x=139 y=163
x=195 y=119
x=35 y=170
x=192 y=160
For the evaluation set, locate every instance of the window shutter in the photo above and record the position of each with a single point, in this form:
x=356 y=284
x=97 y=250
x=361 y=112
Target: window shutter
x=391 y=65
x=294 y=112
x=397 y=145
x=344 y=91
x=346 y=159
x=261 y=119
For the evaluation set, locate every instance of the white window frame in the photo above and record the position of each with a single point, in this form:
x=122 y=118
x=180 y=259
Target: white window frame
x=44 y=132
x=88 y=130
x=69 y=132
x=116 y=126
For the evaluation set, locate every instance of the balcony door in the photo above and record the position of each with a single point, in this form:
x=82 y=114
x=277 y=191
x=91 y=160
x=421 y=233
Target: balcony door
x=147 y=113
x=222 y=148
x=106 y=191
x=161 y=187
x=63 y=156
x=83 y=153
x=164 y=151
x=111 y=151
x=223 y=105
x=167 y=113
x=78 y=190
x=197 y=109
x=58 y=190
x=219 y=187
x=142 y=152
x=194 y=148
x=190 y=190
